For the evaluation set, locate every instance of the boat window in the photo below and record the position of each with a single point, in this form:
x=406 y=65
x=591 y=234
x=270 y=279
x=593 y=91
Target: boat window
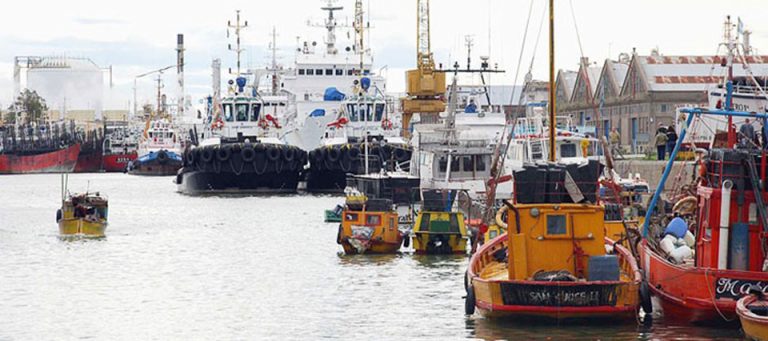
x=352 y=111
x=310 y=72
x=339 y=72
x=391 y=223
x=556 y=224
x=329 y=72
x=373 y=220
x=424 y=225
x=479 y=163
x=366 y=72
x=255 y=110
x=467 y=162
x=319 y=72
x=301 y=72
x=568 y=150
x=350 y=72
x=369 y=112
x=228 y=113
x=454 y=163
x=379 y=111
x=242 y=112
x=443 y=164
x=350 y=216
x=454 y=223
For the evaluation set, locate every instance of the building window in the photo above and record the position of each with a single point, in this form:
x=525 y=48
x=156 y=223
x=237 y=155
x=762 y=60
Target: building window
x=663 y=108
x=301 y=72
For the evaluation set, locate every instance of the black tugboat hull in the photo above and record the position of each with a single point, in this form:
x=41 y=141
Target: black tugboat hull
x=239 y=168
x=330 y=166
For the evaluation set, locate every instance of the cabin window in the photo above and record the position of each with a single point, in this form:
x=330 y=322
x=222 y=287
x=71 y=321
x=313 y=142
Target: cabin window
x=228 y=113
x=467 y=162
x=352 y=111
x=556 y=224
x=339 y=72
x=454 y=223
x=568 y=150
x=454 y=163
x=443 y=163
x=319 y=72
x=310 y=72
x=255 y=110
x=329 y=72
x=424 y=225
x=242 y=112
x=391 y=223
x=369 y=112
x=350 y=216
x=379 y=111
x=479 y=163
x=366 y=72
x=350 y=72
x=301 y=72
x=373 y=220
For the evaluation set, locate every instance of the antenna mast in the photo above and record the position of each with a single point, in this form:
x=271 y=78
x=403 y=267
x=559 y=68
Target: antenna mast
x=274 y=61
x=552 y=103
x=330 y=25
x=360 y=30
x=238 y=50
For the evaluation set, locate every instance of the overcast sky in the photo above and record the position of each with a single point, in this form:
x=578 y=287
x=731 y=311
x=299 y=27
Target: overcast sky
x=140 y=35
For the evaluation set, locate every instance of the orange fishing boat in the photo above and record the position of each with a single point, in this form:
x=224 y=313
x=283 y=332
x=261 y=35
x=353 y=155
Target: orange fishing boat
x=369 y=226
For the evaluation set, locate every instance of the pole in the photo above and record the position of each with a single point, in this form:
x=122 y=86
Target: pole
x=552 y=103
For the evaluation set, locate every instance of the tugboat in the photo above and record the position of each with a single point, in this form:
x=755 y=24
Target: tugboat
x=158 y=149
x=369 y=226
x=82 y=215
x=362 y=140
x=243 y=152
x=38 y=148
x=120 y=147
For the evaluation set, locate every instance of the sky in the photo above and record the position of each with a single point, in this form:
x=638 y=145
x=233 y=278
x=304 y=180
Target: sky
x=140 y=35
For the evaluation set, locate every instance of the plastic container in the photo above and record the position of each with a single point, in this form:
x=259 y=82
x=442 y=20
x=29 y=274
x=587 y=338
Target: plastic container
x=603 y=268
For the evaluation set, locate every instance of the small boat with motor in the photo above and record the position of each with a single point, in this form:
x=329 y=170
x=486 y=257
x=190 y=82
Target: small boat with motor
x=753 y=314
x=369 y=226
x=82 y=215
x=242 y=152
x=439 y=228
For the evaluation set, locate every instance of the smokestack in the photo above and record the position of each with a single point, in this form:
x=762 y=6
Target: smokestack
x=180 y=72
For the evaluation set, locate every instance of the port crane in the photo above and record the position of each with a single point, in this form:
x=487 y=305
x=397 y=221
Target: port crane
x=425 y=84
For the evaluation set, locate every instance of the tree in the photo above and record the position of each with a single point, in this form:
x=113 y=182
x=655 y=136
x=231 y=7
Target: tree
x=9 y=117
x=30 y=103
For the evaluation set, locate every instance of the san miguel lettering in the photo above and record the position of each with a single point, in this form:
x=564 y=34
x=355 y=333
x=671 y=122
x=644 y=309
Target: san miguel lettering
x=736 y=288
x=563 y=296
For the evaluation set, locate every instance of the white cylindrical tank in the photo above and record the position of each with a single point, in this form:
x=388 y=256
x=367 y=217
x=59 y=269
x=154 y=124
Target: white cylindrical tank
x=725 y=217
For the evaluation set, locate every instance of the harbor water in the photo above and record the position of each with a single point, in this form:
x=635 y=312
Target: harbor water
x=231 y=268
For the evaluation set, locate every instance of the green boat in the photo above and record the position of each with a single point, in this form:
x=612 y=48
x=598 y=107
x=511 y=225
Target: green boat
x=334 y=215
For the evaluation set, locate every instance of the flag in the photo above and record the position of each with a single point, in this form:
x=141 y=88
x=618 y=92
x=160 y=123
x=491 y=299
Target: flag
x=739 y=28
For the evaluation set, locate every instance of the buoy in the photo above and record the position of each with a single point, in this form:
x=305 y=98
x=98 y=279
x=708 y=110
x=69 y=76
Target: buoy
x=58 y=215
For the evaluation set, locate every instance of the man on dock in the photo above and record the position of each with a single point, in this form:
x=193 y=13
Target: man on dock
x=661 y=144
x=615 y=138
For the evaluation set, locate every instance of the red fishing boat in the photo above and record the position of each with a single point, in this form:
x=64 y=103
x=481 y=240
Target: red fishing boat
x=120 y=147
x=56 y=161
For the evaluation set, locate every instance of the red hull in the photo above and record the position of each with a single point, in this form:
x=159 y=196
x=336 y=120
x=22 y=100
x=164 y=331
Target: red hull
x=117 y=162
x=60 y=161
x=695 y=294
x=88 y=163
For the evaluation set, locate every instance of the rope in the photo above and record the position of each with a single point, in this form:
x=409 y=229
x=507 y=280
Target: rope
x=522 y=49
x=712 y=297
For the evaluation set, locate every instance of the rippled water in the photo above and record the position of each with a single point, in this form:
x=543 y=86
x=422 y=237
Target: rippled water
x=179 y=267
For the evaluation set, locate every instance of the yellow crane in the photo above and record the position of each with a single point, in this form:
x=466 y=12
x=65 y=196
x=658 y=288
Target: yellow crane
x=426 y=85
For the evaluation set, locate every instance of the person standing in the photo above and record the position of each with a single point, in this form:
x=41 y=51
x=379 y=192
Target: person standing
x=661 y=144
x=747 y=134
x=615 y=139
x=671 y=139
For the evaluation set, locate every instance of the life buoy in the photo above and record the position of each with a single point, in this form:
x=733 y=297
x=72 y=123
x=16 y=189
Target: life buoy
x=248 y=154
x=273 y=153
x=499 y=214
x=263 y=124
x=206 y=155
x=289 y=154
x=334 y=154
x=386 y=124
x=223 y=153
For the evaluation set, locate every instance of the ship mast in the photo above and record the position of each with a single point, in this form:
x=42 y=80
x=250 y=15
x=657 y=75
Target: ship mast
x=238 y=49
x=360 y=33
x=274 y=62
x=330 y=25
x=730 y=45
x=552 y=104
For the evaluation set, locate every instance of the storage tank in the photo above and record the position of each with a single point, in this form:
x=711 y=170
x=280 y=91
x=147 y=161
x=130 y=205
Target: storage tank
x=68 y=84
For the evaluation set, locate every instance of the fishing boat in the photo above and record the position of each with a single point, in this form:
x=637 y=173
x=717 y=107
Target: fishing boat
x=38 y=148
x=439 y=227
x=120 y=147
x=158 y=150
x=369 y=226
x=242 y=151
x=83 y=214
x=753 y=314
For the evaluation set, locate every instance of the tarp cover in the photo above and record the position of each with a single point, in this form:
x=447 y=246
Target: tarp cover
x=333 y=94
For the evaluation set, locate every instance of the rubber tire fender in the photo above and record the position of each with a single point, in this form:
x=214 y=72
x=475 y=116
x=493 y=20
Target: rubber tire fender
x=206 y=155
x=645 y=297
x=273 y=153
x=59 y=215
x=401 y=154
x=162 y=156
x=334 y=154
x=469 y=301
x=289 y=154
x=338 y=234
x=248 y=154
x=406 y=241
x=223 y=153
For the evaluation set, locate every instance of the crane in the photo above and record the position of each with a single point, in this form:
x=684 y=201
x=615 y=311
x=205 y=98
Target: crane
x=425 y=84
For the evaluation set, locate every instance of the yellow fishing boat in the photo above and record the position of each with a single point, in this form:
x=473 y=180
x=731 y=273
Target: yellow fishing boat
x=369 y=226
x=83 y=215
x=438 y=232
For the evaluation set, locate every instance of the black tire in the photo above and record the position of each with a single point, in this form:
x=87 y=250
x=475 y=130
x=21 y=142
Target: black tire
x=223 y=153
x=353 y=153
x=334 y=154
x=206 y=155
x=192 y=157
x=406 y=241
x=162 y=156
x=289 y=154
x=259 y=148
x=645 y=297
x=273 y=153
x=317 y=155
x=58 y=215
x=469 y=301
x=338 y=235
x=248 y=154
x=466 y=281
